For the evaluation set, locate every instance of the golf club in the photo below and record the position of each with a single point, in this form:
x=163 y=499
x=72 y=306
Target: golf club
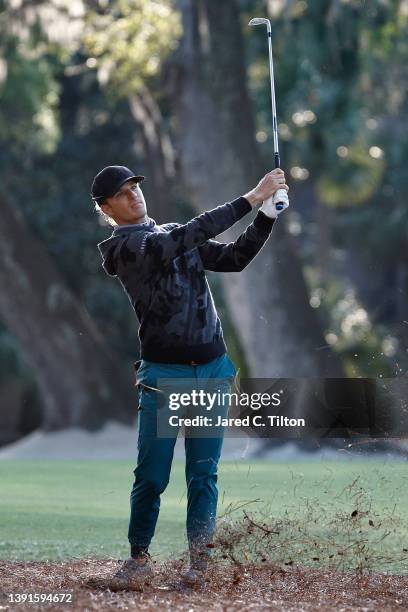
x=281 y=196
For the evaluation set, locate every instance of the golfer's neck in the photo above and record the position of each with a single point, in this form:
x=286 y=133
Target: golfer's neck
x=143 y=219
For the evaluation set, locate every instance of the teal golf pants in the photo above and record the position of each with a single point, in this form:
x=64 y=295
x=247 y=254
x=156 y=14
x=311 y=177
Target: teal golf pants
x=155 y=455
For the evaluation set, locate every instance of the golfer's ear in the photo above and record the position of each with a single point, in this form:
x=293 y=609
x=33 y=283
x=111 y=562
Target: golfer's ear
x=106 y=207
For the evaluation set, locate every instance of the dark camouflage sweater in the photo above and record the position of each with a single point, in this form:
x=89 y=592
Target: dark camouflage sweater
x=162 y=269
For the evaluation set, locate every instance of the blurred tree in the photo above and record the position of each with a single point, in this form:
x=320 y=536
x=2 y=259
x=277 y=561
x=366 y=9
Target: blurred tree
x=205 y=81
x=77 y=375
x=341 y=70
x=383 y=88
x=99 y=81
x=127 y=41
x=279 y=331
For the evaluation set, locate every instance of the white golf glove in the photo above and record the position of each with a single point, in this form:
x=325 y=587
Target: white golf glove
x=269 y=206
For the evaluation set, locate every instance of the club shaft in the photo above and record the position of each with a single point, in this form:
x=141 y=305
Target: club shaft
x=274 y=119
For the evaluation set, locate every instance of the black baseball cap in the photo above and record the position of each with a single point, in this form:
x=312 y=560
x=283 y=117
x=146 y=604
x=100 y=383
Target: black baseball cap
x=109 y=180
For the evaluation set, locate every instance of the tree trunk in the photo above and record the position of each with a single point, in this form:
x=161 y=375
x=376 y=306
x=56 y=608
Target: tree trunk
x=80 y=382
x=218 y=158
x=157 y=151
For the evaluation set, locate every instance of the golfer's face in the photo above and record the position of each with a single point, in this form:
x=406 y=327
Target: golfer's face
x=128 y=204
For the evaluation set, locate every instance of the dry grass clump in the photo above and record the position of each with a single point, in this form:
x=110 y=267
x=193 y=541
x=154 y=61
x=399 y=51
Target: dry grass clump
x=230 y=587
x=312 y=557
x=315 y=533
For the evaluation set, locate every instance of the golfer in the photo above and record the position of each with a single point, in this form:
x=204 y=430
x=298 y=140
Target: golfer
x=162 y=270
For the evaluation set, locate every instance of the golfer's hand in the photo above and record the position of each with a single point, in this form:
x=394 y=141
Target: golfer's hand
x=269 y=206
x=266 y=187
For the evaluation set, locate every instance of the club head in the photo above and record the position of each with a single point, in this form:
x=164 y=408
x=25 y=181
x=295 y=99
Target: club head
x=260 y=21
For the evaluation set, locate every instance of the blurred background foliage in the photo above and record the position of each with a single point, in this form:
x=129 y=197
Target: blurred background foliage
x=68 y=70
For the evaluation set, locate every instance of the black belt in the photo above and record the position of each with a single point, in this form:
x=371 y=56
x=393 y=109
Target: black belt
x=137 y=364
x=202 y=353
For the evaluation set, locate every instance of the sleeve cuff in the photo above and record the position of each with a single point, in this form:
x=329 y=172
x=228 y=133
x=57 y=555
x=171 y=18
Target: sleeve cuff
x=263 y=222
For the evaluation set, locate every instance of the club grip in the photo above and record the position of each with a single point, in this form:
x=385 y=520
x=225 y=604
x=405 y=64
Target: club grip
x=280 y=199
x=279 y=205
x=277 y=165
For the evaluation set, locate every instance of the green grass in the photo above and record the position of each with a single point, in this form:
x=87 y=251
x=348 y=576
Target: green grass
x=60 y=509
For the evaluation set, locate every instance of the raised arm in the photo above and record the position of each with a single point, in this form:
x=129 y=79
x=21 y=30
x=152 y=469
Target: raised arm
x=167 y=245
x=164 y=246
x=235 y=256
